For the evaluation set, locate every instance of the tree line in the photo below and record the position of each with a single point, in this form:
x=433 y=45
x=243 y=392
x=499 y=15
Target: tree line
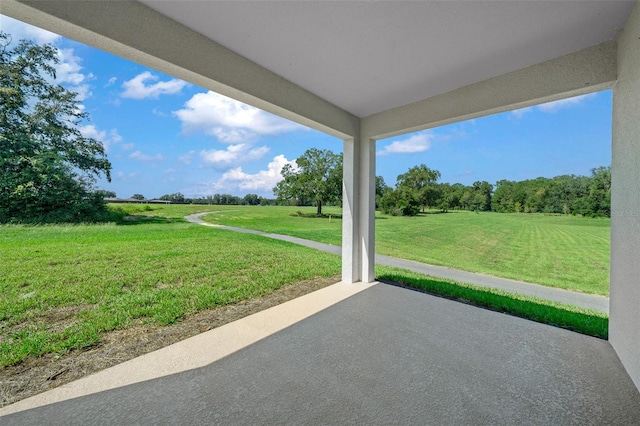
x=566 y=194
x=317 y=180
x=221 y=199
x=215 y=199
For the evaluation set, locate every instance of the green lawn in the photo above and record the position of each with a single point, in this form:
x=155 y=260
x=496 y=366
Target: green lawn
x=61 y=287
x=172 y=211
x=559 y=251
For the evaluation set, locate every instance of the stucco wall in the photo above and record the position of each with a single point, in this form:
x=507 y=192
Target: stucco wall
x=624 y=326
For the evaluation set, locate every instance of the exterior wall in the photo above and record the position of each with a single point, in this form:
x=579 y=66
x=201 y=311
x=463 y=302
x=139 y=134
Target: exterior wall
x=624 y=325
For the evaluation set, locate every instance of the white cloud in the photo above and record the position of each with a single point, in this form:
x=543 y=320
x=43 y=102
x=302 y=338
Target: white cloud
x=222 y=159
x=19 y=30
x=91 y=131
x=127 y=146
x=186 y=158
x=551 y=107
x=263 y=181
x=142 y=86
x=108 y=139
x=114 y=136
x=82 y=92
x=564 y=103
x=229 y=120
x=158 y=113
x=68 y=73
x=418 y=142
x=519 y=113
x=68 y=69
x=111 y=81
x=126 y=176
x=138 y=155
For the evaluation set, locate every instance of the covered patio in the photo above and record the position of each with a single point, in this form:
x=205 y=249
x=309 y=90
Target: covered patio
x=366 y=354
x=364 y=71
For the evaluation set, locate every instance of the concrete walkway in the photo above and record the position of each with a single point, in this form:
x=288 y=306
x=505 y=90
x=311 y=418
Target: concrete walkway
x=588 y=301
x=369 y=354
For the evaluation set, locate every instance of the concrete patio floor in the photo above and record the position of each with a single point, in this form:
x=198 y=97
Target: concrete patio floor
x=356 y=353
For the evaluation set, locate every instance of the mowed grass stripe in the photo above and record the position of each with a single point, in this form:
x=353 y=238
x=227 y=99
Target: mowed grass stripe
x=559 y=251
x=88 y=280
x=522 y=247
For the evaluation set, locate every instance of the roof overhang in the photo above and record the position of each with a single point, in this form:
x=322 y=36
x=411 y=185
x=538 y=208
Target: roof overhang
x=397 y=65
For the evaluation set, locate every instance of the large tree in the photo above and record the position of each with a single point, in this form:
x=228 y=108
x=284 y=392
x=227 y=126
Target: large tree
x=316 y=177
x=482 y=196
x=47 y=168
x=422 y=180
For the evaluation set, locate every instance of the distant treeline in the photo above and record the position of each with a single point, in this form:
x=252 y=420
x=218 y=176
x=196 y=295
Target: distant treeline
x=576 y=195
x=568 y=194
x=217 y=199
x=228 y=199
x=418 y=189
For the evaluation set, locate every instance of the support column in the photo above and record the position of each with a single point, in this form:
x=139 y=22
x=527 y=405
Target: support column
x=368 y=209
x=358 y=210
x=624 y=305
x=350 y=213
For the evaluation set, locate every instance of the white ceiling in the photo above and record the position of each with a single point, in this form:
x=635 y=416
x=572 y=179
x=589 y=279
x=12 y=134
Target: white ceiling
x=367 y=57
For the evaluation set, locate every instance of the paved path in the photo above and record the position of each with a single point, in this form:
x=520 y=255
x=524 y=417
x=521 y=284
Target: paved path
x=589 y=301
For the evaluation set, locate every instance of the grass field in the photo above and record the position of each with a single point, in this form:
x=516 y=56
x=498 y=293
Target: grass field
x=63 y=286
x=559 y=251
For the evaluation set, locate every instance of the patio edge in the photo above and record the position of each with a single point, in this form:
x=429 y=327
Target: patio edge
x=196 y=351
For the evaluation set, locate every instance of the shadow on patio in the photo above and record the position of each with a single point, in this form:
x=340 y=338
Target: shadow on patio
x=368 y=354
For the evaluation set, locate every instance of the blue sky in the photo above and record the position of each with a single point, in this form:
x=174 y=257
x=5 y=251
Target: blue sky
x=164 y=135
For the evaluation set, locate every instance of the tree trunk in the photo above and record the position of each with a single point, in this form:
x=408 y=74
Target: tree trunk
x=319 y=212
